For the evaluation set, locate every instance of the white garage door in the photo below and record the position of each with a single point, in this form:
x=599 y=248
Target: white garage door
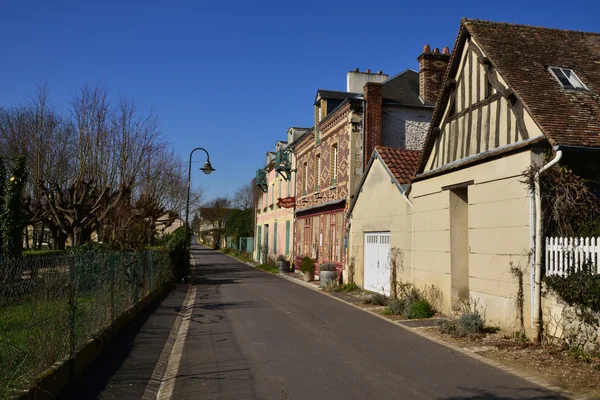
x=377 y=262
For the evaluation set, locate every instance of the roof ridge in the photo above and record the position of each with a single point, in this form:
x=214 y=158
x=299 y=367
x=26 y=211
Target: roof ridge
x=466 y=21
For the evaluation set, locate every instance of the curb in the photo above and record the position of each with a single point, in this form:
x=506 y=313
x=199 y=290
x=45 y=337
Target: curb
x=54 y=380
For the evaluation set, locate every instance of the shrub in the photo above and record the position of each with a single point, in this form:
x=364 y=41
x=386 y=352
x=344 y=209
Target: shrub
x=471 y=323
x=468 y=325
x=328 y=266
x=379 y=299
x=307 y=265
x=420 y=309
x=449 y=327
x=346 y=287
x=386 y=311
x=280 y=257
x=396 y=306
x=331 y=286
x=89 y=247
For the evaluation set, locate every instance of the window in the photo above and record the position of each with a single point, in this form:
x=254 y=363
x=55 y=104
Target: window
x=567 y=78
x=280 y=192
x=304 y=179
x=334 y=159
x=318 y=173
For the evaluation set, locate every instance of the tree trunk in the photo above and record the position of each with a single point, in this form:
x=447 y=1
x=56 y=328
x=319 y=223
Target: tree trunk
x=41 y=230
x=26 y=235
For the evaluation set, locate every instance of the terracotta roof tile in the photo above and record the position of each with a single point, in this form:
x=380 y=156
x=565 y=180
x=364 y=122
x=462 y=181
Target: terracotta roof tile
x=402 y=163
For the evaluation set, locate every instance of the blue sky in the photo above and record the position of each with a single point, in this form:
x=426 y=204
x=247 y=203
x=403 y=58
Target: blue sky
x=232 y=76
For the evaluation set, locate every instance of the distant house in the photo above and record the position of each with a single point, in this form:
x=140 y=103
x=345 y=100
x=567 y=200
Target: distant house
x=213 y=218
x=514 y=97
x=274 y=227
x=167 y=223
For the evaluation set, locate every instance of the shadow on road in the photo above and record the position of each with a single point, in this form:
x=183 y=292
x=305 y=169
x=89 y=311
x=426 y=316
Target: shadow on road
x=523 y=393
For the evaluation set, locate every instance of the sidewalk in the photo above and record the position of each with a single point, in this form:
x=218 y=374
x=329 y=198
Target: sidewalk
x=126 y=367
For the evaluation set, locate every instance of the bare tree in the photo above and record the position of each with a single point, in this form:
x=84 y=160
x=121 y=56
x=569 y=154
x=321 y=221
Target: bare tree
x=243 y=198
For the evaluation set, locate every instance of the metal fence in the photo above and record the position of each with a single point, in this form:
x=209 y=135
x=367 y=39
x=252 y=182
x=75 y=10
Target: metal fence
x=51 y=306
x=565 y=253
x=244 y=244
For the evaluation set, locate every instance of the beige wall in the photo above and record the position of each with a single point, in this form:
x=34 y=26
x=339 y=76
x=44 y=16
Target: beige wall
x=499 y=236
x=380 y=207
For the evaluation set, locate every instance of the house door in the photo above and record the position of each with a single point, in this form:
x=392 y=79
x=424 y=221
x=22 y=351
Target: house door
x=377 y=262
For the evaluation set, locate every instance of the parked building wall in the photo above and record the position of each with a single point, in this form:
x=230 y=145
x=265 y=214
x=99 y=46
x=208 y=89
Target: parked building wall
x=498 y=237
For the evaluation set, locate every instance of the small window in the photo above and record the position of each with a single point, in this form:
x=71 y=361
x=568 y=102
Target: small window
x=304 y=179
x=567 y=78
x=318 y=173
x=334 y=159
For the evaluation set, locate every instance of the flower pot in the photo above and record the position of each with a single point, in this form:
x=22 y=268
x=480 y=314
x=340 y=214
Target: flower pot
x=308 y=277
x=326 y=276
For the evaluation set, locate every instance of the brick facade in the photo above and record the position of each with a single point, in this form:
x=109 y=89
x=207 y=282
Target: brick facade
x=373 y=119
x=320 y=223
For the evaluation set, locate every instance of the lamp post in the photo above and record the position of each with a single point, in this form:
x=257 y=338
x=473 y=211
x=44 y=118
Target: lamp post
x=207 y=169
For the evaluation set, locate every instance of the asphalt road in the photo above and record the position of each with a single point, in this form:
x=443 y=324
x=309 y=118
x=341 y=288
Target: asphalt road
x=252 y=335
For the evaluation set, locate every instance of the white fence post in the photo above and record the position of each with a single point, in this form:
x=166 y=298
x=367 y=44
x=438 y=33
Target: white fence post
x=565 y=253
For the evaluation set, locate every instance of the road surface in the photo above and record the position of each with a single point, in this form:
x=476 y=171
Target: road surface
x=246 y=334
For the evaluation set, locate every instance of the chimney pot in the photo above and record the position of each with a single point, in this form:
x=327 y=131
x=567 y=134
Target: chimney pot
x=368 y=71
x=356 y=70
x=379 y=72
x=445 y=50
x=426 y=49
x=436 y=51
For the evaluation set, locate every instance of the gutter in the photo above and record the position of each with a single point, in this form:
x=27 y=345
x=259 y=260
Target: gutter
x=412 y=237
x=537 y=311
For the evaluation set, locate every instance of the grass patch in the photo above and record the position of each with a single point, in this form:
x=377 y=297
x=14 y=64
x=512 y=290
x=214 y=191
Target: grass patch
x=386 y=311
x=268 y=268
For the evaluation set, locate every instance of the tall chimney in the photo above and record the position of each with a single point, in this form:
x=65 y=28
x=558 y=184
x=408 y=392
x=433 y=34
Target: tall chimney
x=373 y=129
x=432 y=69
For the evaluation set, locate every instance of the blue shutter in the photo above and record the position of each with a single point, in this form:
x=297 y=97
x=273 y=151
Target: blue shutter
x=287 y=238
x=275 y=238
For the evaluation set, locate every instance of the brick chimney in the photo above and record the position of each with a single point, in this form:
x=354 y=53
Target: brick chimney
x=373 y=119
x=432 y=69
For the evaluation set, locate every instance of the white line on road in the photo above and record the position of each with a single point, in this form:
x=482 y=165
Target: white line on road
x=162 y=383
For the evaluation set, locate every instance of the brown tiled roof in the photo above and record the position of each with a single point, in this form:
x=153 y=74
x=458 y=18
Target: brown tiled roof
x=402 y=163
x=522 y=55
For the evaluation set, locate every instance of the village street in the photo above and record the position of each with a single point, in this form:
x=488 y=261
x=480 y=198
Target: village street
x=251 y=335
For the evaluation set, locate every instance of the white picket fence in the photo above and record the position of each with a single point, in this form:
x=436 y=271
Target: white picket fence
x=561 y=253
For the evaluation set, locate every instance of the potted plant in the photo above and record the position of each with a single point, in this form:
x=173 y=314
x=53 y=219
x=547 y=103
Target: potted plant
x=327 y=273
x=307 y=266
x=283 y=264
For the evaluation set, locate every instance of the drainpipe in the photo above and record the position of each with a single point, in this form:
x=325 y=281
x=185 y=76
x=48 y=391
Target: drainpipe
x=537 y=311
x=412 y=237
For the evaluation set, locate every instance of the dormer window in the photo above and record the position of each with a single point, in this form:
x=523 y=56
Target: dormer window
x=567 y=78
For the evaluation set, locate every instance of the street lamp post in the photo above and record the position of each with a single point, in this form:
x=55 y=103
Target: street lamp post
x=207 y=169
